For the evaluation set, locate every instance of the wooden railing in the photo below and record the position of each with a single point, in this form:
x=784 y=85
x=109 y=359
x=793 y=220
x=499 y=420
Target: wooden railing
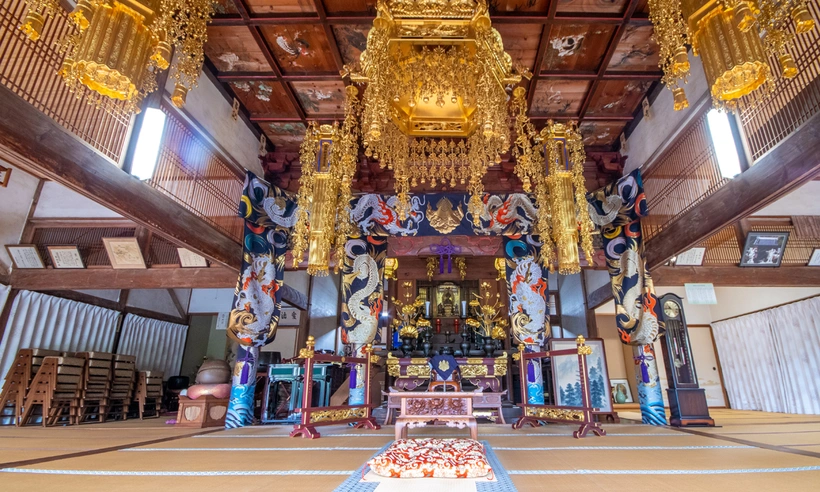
x=30 y=70
x=774 y=116
x=684 y=175
x=191 y=173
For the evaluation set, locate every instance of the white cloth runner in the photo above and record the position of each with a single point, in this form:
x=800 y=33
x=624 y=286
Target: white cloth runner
x=426 y=484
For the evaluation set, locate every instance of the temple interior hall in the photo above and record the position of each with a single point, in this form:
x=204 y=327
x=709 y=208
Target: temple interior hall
x=403 y=245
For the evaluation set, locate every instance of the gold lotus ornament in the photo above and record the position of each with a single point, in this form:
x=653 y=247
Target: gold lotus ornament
x=444 y=218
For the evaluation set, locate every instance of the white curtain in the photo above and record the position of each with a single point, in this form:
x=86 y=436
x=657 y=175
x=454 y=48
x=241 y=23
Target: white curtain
x=48 y=322
x=771 y=359
x=158 y=345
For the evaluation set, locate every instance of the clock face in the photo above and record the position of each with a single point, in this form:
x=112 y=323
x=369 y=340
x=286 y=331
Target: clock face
x=671 y=309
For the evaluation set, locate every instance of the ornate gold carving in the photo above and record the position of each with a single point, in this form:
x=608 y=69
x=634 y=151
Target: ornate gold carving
x=517 y=356
x=461 y=264
x=437 y=406
x=393 y=365
x=554 y=413
x=337 y=415
x=475 y=360
x=445 y=218
x=501 y=365
x=307 y=352
x=473 y=370
x=419 y=371
x=432 y=265
x=584 y=350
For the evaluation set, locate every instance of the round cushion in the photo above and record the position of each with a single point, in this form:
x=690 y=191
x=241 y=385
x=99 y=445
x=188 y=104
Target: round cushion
x=213 y=371
x=215 y=390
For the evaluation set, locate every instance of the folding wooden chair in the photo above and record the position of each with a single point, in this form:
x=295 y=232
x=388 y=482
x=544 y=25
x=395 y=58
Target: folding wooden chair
x=18 y=379
x=96 y=387
x=57 y=388
x=149 y=392
x=122 y=386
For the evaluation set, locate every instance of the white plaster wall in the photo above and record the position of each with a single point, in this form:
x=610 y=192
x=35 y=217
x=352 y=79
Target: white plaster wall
x=299 y=280
x=802 y=201
x=107 y=294
x=156 y=300
x=210 y=301
x=573 y=305
x=57 y=201
x=4 y=295
x=15 y=202
x=324 y=311
x=735 y=301
x=212 y=112
x=595 y=279
x=648 y=136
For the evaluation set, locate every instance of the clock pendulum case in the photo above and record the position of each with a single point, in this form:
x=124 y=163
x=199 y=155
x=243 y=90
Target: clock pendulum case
x=687 y=401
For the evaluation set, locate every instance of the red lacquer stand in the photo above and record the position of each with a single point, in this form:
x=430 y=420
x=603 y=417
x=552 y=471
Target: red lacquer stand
x=313 y=417
x=535 y=415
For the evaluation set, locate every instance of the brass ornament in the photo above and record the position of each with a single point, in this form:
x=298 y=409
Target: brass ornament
x=337 y=415
x=461 y=264
x=308 y=351
x=501 y=364
x=444 y=218
x=473 y=370
x=553 y=413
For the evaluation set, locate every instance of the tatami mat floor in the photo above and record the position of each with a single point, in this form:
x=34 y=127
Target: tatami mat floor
x=750 y=451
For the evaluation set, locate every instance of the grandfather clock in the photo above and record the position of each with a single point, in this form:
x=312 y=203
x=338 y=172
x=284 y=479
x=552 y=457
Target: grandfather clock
x=687 y=401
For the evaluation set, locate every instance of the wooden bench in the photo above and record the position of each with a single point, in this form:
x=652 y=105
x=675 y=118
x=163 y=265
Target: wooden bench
x=454 y=409
x=481 y=401
x=123 y=377
x=56 y=388
x=18 y=381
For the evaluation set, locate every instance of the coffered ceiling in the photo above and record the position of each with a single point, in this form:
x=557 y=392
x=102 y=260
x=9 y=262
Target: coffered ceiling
x=593 y=61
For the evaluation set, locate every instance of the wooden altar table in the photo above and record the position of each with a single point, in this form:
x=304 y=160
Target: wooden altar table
x=481 y=400
x=418 y=408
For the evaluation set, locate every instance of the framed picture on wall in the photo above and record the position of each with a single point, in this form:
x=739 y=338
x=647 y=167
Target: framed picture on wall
x=189 y=259
x=65 y=257
x=764 y=249
x=620 y=387
x=567 y=381
x=124 y=252
x=25 y=256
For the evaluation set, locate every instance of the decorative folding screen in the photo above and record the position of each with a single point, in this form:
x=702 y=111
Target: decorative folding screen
x=770 y=359
x=47 y=322
x=158 y=345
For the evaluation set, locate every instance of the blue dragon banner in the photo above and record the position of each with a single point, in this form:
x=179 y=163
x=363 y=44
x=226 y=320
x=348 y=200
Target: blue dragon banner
x=617 y=209
x=528 y=288
x=269 y=215
x=362 y=288
x=441 y=214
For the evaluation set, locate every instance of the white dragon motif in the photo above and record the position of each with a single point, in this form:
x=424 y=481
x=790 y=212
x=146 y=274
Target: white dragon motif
x=256 y=297
x=384 y=213
x=500 y=213
x=364 y=267
x=631 y=306
x=275 y=208
x=528 y=305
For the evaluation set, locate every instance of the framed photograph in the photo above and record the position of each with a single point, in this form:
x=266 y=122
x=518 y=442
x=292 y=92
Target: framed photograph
x=124 y=252
x=691 y=257
x=815 y=257
x=25 y=256
x=65 y=257
x=764 y=249
x=620 y=387
x=189 y=259
x=5 y=174
x=567 y=381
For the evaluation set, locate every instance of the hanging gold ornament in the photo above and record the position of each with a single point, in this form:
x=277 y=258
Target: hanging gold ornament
x=435 y=104
x=735 y=38
x=328 y=158
x=120 y=45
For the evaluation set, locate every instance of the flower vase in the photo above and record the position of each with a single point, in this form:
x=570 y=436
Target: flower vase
x=489 y=347
x=406 y=346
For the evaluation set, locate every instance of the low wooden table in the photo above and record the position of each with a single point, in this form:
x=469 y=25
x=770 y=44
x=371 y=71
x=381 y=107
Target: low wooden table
x=418 y=408
x=481 y=400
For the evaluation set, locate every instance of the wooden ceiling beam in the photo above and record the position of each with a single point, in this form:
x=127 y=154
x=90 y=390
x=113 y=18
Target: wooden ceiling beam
x=271 y=76
x=734 y=276
x=334 y=45
x=34 y=141
x=786 y=167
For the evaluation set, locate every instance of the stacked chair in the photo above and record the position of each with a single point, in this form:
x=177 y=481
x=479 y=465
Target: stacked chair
x=123 y=378
x=56 y=388
x=97 y=386
x=149 y=393
x=18 y=380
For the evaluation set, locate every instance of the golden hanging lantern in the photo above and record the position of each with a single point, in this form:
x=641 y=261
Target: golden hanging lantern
x=120 y=45
x=735 y=39
x=328 y=158
x=436 y=72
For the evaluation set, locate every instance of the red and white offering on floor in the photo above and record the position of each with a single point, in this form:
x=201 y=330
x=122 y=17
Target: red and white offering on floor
x=435 y=458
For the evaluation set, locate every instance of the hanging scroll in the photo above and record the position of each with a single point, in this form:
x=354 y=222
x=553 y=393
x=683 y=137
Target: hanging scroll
x=362 y=288
x=269 y=214
x=440 y=214
x=617 y=209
